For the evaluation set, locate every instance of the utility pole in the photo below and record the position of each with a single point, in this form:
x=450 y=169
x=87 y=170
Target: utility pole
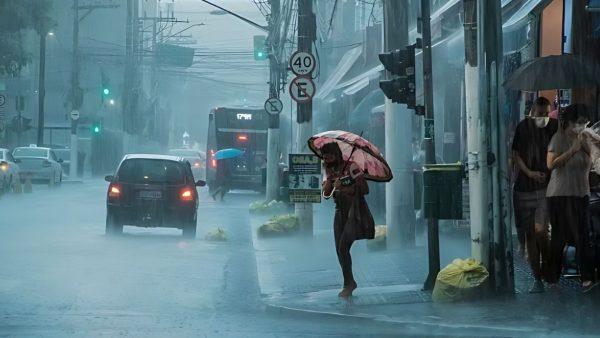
x=399 y=199
x=272 y=189
x=76 y=92
x=477 y=129
x=486 y=140
x=41 y=87
x=433 y=240
x=306 y=36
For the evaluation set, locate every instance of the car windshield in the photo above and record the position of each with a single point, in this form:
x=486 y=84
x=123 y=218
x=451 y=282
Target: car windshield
x=30 y=152
x=184 y=153
x=151 y=171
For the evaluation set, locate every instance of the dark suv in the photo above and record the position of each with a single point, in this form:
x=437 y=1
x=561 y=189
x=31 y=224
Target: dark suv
x=152 y=191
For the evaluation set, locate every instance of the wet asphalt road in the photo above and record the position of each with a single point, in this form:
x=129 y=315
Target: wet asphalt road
x=61 y=276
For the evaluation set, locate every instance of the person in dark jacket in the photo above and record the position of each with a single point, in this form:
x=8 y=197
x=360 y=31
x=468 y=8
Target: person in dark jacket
x=346 y=183
x=530 y=146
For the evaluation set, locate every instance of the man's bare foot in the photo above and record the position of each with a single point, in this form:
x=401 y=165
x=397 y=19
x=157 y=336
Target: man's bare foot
x=347 y=291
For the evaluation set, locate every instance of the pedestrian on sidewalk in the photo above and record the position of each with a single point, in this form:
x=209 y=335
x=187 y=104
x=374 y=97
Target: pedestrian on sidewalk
x=353 y=220
x=222 y=177
x=569 y=158
x=530 y=147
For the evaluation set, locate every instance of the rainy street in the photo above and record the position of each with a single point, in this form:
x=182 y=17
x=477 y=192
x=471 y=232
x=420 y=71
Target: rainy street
x=61 y=276
x=300 y=168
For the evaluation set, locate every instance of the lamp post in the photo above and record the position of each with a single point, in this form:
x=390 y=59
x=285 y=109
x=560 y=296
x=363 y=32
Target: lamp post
x=42 y=85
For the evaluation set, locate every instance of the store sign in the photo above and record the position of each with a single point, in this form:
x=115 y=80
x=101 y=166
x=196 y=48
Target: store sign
x=305 y=178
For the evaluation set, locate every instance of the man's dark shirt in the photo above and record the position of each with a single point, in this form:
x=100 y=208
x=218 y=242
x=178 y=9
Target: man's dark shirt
x=531 y=143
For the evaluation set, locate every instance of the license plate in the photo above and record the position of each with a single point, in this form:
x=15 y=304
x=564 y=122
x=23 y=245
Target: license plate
x=150 y=194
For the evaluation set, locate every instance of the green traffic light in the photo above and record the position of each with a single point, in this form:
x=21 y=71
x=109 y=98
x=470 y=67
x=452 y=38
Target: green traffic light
x=96 y=129
x=106 y=91
x=260 y=54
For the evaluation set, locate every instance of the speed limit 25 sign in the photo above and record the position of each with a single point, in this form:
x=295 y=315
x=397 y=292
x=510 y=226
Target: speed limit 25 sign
x=302 y=63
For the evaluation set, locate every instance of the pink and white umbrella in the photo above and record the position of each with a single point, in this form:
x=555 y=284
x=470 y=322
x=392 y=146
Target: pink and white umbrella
x=366 y=156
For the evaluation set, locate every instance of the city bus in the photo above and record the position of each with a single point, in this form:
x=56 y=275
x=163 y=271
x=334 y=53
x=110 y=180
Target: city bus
x=242 y=128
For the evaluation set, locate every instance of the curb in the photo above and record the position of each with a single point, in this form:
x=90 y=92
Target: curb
x=409 y=327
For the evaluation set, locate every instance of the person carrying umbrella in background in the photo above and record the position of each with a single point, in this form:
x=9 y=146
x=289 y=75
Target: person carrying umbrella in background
x=349 y=160
x=223 y=174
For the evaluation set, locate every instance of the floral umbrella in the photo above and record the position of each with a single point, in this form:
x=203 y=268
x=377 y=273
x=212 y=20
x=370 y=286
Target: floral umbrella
x=356 y=149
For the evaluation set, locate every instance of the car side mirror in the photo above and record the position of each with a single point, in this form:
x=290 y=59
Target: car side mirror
x=200 y=183
x=60 y=160
x=109 y=178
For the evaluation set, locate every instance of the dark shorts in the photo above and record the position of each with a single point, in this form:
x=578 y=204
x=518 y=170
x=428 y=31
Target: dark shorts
x=530 y=208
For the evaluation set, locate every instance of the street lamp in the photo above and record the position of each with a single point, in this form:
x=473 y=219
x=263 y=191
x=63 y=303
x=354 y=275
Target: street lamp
x=51 y=33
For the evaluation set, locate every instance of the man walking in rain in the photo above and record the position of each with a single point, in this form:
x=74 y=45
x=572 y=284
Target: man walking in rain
x=348 y=186
x=530 y=145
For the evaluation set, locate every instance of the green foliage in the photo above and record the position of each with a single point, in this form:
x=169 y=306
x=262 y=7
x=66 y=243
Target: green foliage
x=15 y=18
x=279 y=225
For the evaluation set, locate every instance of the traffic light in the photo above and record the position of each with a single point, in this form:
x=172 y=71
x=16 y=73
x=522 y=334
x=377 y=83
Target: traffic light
x=96 y=127
x=260 y=48
x=401 y=88
x=106 y=89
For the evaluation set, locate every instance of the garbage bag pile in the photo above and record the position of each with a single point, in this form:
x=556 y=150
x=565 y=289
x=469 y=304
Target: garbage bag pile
x=279 y=225
x=216 y=235
x=379 y=242
x=462 y=279
x=263 y=207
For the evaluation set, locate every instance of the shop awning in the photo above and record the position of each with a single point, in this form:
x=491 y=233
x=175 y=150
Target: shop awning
x=339 y=72
x=519 y=19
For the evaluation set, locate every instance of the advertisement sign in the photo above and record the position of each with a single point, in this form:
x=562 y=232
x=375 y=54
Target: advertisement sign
x=305 y=178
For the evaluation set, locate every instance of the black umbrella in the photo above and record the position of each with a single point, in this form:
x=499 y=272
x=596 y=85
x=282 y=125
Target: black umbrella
x=554 y=72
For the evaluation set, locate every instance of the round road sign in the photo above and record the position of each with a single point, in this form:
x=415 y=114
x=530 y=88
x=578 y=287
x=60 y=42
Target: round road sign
x=274 y=106
x=302 y=89
x=2 y=100
x=302 y=63
x=75 y=114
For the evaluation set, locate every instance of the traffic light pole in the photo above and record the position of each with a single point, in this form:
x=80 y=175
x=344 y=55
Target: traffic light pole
x=399 y=201
x=75 y=90
x=306 y=33
x=272 y=188
x=433 y=240
x=41 y=88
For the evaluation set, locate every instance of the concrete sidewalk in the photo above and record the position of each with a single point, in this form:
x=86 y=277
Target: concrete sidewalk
x=302 y=276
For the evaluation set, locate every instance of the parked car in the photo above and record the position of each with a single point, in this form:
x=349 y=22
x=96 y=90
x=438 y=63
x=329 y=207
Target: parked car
x=196 y=158
x=39 y=163
x=9 y=170
x=152 y=191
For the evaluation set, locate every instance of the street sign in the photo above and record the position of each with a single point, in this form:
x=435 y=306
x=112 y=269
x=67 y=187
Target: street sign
x=75 y=114
x=302 y=63
x=302 y=89
x=305 y=178
x=2 y=100
x=274 y=106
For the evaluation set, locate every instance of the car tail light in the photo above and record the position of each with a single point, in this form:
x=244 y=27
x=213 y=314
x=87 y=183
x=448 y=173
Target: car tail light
x=4 y=166
x=197 y=164
x=187 y=194
x=213 y=163
x=242 y=137
x=114 y=191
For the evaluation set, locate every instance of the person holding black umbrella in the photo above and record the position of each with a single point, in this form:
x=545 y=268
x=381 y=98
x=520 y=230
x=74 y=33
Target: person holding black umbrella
x=530 y=147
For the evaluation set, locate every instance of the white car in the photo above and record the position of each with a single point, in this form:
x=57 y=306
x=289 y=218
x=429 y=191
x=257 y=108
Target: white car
x=9 y=170
x=196 y=158
x=39 y=164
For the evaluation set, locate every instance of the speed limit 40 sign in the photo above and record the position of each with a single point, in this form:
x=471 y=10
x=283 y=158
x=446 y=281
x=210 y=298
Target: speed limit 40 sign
x=302 y=63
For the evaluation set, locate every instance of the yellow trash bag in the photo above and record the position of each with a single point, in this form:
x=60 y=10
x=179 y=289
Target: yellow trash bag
x=461 y=279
